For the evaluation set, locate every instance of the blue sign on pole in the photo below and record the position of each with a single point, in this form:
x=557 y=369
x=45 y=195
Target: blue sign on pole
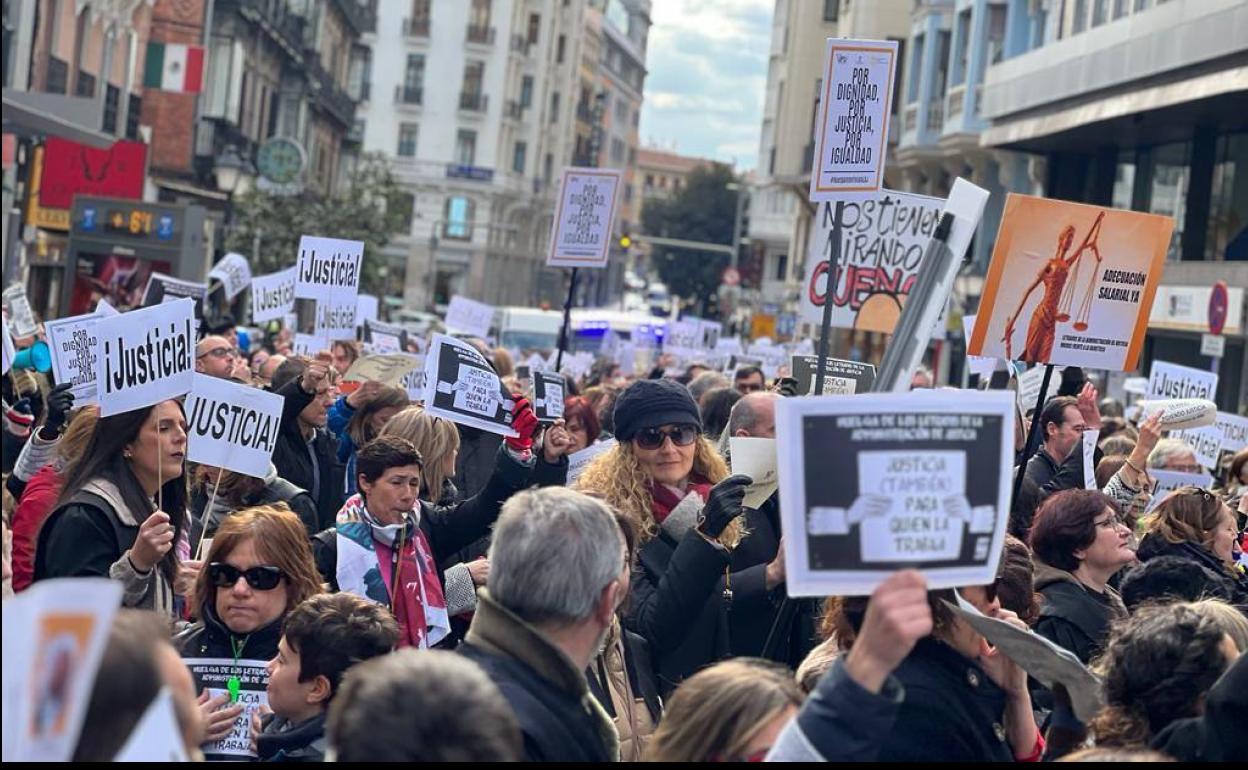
x=88 y=218
x=164 y=227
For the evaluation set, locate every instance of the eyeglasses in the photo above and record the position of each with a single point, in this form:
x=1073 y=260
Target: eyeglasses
x=1113 y=522
x=653 y=438
x=220 y=353
x=260 y=578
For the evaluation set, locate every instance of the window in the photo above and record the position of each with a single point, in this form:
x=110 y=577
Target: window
x=479 y=16
x=916 y=66
x=58 y=75
x=1120 y=8
x=548 y=166
x=1080 y=20
x=526 y=91
x=401 y=204
x=458 y=218
x=85 y=85
x=535 y=28
x=407 y=139
x=1229 y=197
x=831 y=9
x=414 y=76
x=132 y=116
x=963 y=33
x=474 y=77
x=554 y=107
x=1124 y=181
x=621 y=111
x=112 y=99
x=420 y=11
x=1100 y=12
x=466 y=147
x=1168 y=189
x=518 y=157
x=559 y=49
x=782 y=267
x=617 y=151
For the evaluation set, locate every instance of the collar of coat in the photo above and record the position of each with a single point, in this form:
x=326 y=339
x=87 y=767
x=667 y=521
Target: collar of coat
x=498 y=630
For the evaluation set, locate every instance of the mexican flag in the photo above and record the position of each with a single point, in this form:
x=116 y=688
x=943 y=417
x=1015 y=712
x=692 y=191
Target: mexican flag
x=173 y=67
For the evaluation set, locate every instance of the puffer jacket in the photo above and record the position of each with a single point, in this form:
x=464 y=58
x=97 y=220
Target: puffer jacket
x=1073 y=616
x=622 y=680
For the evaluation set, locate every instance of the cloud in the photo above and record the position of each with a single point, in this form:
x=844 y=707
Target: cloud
x=707 y=62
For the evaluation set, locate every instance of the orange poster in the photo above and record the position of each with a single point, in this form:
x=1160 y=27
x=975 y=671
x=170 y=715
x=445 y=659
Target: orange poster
x=1070 y=284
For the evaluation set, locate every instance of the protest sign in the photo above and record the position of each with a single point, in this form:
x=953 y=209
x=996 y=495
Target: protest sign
x=1089 y=458
x=756 y=458
x=841 y=378
x=414 y=381
x=1166 y=380
x=104 y=310
x=21 y=317
x=579 y=461
x=163 y=288
x=461 y=386
x=1206 y=444
x=467 y=316
x=1168 y=481
x=1234 y=431
x=548 y=396
x=738 y=361
x=74 y=344
x=232 y=426
x=335 y=319
x=537 y=363
x=851 y=136
x=1029 y=383
x=709 y=332
x=328 y=269
x=390 y=369
x=273 y=295
x=729 y=345
x=1070 y=284
x=309 y=344
x=580 y=233
x=366 y=308
x=385 y=338
x=923 y=480
x=145 y=356
x=250 y=680
x=9 y=351
x=1045 y=661
x=234 y=273
x=158 y=736
x=883 y=239
x=980 y=365
x=54 y=636
x=576 y=365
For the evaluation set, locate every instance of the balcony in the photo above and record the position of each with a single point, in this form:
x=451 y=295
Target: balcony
x=514 y=110
x=277 y=21
x=520 y=45
x=337 y=102
x=480 y=35
x=412 y=95
x=472 y=173
x=473 y=101
x=584 y=113
x=956 y=102
x=361 y=18
x=910 y=120
x=935 y=116
x=416 y=28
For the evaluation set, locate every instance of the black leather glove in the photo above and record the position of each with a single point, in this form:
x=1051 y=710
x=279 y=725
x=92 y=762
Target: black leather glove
x=724 y=504
x=60 y=404
x=787 y=387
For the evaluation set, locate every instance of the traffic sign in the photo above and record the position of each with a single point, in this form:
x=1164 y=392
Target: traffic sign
x=1219 y=303
x=1212 y=345
x=732 y=276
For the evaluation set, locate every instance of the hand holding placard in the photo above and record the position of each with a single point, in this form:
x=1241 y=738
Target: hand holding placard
x=898 y=616
x=154 y=541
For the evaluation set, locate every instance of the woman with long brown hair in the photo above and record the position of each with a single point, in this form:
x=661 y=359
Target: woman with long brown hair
x=675 y=488
x=1195 y=525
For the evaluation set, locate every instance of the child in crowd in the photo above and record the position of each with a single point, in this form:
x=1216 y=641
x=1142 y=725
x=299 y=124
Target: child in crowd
x=322 y=638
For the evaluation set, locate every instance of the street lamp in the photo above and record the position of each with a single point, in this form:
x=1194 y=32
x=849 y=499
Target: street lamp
x=229 y=169
x=740 y=190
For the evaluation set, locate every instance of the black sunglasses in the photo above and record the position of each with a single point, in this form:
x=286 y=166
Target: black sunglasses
x=653 y=438
x=260 y=578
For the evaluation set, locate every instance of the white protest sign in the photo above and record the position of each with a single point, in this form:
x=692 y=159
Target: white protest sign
x=980 y=365
x=729 y=345
x=1029 y=383
x=104 y=310
x=1047 y=662
x=580 y=233
x=841 y=378
x=469 y=317
x=74 y=346
x=461 y=386
x=537 y=364
x=548 y=396
x=21 y=316
x=923 y=480
x=1166 y=380
x=335 y=319
x=1206 y=444
x=851 y=135
x=158 y=736
x=1234 y=431
x=385 y=338
x=309 y=344
x=366 y=308
x=145 y=356
x=234 y=273
x=1089 y=458
x=232 y=426
x=579 y=461
x=328 y=269
x=54 y=636
x=214 y=675
x=414 y=381
x=273 y=295
x=390 y=369
x=163 y=288
x=1168 y=481
x=9 y=351
x=1180 y=413
x=756 y=458
x=883 y=239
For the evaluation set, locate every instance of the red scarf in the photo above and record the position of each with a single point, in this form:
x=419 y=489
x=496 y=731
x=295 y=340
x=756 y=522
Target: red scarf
x=664 y=500
x=429 y=614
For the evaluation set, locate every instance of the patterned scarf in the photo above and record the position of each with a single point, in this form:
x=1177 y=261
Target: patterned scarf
x=365 y=568
x=664 y=499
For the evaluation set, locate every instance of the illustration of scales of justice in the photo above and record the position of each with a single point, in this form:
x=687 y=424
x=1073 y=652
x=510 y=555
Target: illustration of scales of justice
x=1060 y=278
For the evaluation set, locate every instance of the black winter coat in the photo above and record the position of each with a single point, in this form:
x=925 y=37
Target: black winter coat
x=475 y=462
x=1154 y=545
x=951 y=712
x=1074 y=617
x=277 y=490
x=209 y=638
x=312 y=468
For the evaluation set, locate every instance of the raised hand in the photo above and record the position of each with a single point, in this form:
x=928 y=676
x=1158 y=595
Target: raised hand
x=898 y=616
x=154 y=541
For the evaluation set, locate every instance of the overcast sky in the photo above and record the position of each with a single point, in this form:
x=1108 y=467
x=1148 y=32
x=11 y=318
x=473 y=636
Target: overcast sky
x=707 y=62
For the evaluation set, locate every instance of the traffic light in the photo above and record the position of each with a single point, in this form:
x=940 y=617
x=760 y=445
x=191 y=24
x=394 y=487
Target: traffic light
x=625 y=241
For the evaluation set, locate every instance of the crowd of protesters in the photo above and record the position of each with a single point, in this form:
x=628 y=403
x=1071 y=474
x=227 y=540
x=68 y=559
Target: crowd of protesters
x=429 y=591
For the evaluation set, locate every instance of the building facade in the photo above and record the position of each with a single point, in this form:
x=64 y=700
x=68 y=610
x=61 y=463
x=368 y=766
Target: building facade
x=662 y=174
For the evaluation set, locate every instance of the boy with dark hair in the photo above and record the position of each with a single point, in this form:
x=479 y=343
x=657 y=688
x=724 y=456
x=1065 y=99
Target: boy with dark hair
x=322 y=638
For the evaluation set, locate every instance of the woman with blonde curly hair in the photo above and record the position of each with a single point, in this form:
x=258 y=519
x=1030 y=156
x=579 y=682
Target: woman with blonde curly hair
x=674 y=487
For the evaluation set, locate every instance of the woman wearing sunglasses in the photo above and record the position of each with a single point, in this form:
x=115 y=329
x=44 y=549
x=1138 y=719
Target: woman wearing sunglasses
x=1079 y=541
x=675 y=488
x=258 y=569
x=1195 y=525
x=122 y=509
